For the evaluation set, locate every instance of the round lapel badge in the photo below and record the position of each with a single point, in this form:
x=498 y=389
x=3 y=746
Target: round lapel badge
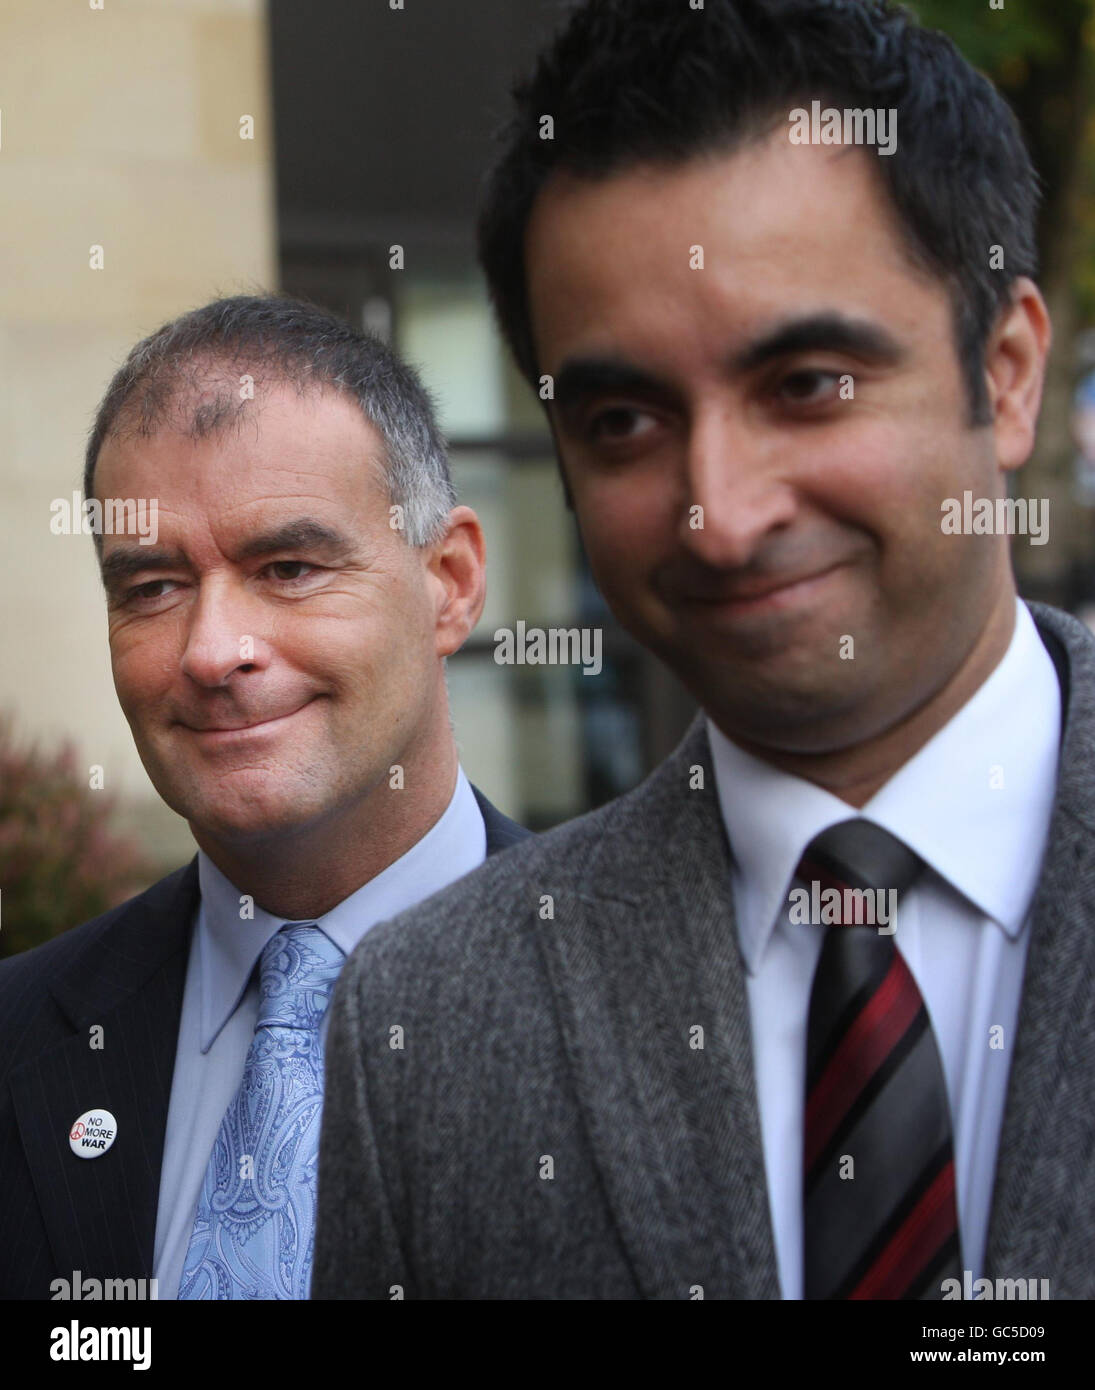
x=92 y=1134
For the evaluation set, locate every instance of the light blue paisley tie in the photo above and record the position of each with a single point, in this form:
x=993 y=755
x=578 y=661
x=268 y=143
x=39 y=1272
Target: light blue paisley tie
x=255 y=1222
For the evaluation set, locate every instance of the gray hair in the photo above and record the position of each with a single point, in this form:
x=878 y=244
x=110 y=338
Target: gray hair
x=298 y=344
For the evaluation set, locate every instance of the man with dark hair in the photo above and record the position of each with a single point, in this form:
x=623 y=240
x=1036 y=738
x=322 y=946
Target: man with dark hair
x=277 y=638
x=807 y=1014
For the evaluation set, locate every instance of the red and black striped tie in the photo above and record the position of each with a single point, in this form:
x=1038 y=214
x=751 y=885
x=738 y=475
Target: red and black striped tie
x=880 y=1212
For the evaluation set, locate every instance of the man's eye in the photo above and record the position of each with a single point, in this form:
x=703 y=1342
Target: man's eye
x=146 y=593
x=808 y=386
x=618 y=422
x=279 y=570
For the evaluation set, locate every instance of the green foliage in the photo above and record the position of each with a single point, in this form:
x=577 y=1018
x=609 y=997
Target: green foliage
x=1041 y=54
x=59 y=861
x=1029 y=30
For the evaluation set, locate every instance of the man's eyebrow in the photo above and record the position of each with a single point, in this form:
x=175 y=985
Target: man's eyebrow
x=304 y=534
x=125 y=561
x=821 y=333
x=584 y=378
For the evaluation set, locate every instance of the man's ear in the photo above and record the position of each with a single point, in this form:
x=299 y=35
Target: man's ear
x=458 y=562
x=1015 y=367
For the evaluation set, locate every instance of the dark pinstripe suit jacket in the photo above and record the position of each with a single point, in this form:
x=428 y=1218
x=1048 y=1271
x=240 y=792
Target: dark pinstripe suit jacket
x=124 y=971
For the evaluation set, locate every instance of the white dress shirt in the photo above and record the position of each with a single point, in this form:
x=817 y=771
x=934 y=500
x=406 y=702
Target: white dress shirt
x=221 y=1001
x=975 y=804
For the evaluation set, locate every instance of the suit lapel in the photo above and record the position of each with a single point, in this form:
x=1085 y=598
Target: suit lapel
x=650 y=991
x=100 y=1213
x=676 y=1130
x=501 y=831
x=1049 y=1119
x=643 y=950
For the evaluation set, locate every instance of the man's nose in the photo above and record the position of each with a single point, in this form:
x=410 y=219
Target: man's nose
x=736 y=493
x=221 y=636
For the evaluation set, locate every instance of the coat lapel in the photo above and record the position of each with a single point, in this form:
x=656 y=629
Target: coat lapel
x=501 y=831
x=1042 y=1197
x=644 y=949
x=100 y=1213
x=645 y=966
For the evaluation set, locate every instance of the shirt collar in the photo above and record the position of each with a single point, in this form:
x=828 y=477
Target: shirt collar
x=974 y=802
x=229 y=945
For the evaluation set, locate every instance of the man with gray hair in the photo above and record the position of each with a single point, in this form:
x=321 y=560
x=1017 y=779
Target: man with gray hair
x=277 y=641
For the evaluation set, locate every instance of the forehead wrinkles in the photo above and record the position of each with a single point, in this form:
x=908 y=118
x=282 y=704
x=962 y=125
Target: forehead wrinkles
x=301 y=428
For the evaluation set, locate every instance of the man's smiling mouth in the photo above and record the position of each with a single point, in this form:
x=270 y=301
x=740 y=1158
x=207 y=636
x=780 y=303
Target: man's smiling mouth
x=224 y=731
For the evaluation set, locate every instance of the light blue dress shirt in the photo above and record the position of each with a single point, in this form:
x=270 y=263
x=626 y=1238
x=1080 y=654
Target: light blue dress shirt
x=221 y=999
x=975 y=803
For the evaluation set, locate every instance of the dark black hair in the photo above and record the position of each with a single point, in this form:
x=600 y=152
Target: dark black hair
x=628 y=82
